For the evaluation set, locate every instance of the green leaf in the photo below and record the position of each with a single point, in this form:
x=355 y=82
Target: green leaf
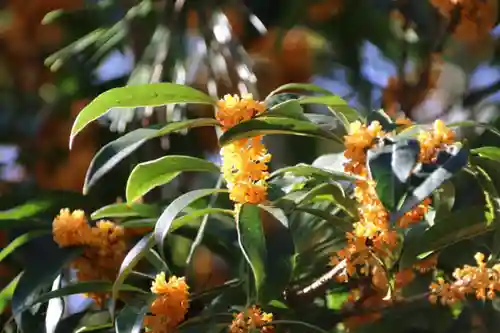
x=276 y=125
x=449 y=163
x=444 y=200
x=492 y=153
x=20 y=241
x=463 y=224
x=269 y=256
x=390 y=167
x=130 y=319
x=288 y=109
x=335 y=221
x=29 y=209
x=165 y=221
x=299 y=86
x=335 y=193
x=383 y=119
x=40 y=273
x=277 y=213
x=151 y=174
x=336 y=104
x=82 y=288
x=472 y=123
x=132 y=258
x=305 y=170
x=115 y=151
x=7 y=292
x=155 y=94
x=121 y=210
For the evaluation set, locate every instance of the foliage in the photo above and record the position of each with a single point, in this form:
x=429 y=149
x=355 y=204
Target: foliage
x=385 y=223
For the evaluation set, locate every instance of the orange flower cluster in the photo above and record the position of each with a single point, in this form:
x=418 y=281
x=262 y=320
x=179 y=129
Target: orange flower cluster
x=250 y=320
x=373 y=239
x=244 y=161
x=104 y=247
x=480 y=280
x=170 y=306
x=477 y=18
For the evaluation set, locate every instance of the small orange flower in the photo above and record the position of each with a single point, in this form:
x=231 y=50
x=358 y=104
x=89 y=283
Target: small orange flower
x=253 y=318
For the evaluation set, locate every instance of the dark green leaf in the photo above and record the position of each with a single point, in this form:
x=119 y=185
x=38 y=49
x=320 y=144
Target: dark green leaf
x=276 y=125
x=304 y=170
x=299 y=86
x=335 y=194
x=125 y=210
x=389 y=189
x=132 y=258
x=270 y=259
x=444 y=199
x=460 y=225
x=289 y=109
x=115 y=151
x=155 y=94
x=335 y=221
x=383 y=119
x=277 y=213
x=449 y=163
x=40 y=273
x=151 y=174
x=20 y=241
x=29 y=209
x=336 y=104
x=130 y=319
x=165 y=221
x=493 y=153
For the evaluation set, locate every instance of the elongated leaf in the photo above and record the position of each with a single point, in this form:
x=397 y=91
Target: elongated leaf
x=472 y=123
x=7 y=292
x=115 y=151
x=269 y=256
x=132 y=258
x=444 y=200
x=288 y=109
x=82 y=288
x=336 y=221
x=20 y=241
x=335 y=194
x=463 y=224
x=55 y=309
x=155 y=94
x=130 y=319
x=276 y=125
x=383 y=119
x=29 y=209
x=151 y=174
x=41 y=273
x=299 y=86
x=125 y=210
x=304 y=170
x=164 y=224
x=277 y=213
x=336 y=103
x=492 y=153
x=454 y=161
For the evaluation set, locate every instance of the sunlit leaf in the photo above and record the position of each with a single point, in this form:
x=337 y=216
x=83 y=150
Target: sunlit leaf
x=20 y=241
x=125 y=210
x=130 y=319
x=155 y=94
x=115 y=151
x=336 y=103
x=299 y=86
x=288 y=109
x=492 y=153
x=148 y=175
x=276 y=125
x=305 y=170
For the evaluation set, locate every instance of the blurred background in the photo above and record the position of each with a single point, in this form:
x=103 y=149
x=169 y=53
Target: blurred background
x=421 y=58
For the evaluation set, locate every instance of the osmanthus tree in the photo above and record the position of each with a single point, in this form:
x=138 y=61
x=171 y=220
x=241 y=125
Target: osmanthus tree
x=402 y=237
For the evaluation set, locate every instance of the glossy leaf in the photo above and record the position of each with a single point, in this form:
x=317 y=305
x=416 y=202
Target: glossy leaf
x=165 y=221
x=304 y=170
x=463 y=224
x=130 y=319
x=269 y=259
x=383 y=119
x=148 y=175
x=336 y=103
x=444 y=200
x=335 y=221
x=155 y=94
x=134 y=255
x=449 y=163
x=40 y=273
x=276 y=125
x=335 y=194
x=26 y=210
x=55 y=309
x=121 y=210
x=115 y=151
x=288 y=109
x=299 y=86
x=20 y=241
x=7 y=292
x=492 y=153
